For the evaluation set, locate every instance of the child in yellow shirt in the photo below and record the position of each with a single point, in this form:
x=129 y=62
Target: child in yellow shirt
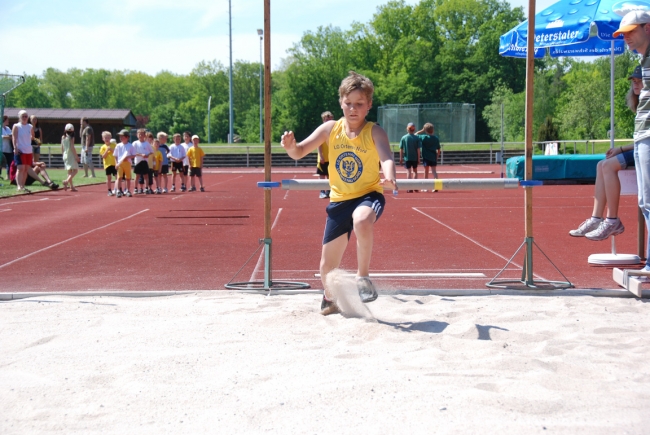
x=195 y=155
x=106 y=151
x=156 y=164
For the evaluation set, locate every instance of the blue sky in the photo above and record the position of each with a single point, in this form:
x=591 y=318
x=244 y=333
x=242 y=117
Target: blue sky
x=156 y=35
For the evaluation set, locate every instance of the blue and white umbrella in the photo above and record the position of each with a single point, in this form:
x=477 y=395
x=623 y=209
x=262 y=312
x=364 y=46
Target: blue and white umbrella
x=575 y=28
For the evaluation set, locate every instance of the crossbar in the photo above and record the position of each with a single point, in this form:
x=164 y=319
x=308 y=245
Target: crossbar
x=419 y=184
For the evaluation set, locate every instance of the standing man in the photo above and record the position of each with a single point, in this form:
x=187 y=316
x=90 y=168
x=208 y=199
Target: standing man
x=322 y=166
x=87 y=144
x=430 y=150
x=409 y=152
x=636 y=33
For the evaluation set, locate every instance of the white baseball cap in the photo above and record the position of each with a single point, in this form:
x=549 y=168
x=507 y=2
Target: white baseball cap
x=631 y=20
x=195 y=137
x=69 y=127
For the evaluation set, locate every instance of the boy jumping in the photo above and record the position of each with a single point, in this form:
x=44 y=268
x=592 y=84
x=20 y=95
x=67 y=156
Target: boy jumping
x=356 y=148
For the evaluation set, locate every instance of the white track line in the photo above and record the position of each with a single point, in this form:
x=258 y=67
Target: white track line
x=473 y=241
x=30 y=200
x=5 y=209
x=286 y=195
x=420 y=275
x=261 y=259
x=71 y=238
x=226 y=181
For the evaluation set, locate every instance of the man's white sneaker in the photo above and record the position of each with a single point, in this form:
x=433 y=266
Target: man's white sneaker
x=586 y=227
x=605 y=229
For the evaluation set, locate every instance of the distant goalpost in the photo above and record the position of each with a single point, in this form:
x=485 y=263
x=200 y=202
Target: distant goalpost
x=8 y=82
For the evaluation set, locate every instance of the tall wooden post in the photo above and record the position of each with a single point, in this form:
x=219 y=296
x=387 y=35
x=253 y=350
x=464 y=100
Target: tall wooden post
x=267 y=143
x=530 y=91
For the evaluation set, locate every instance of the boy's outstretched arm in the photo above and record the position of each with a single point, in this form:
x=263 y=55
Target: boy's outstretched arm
x=380 y=138
x=299 y=150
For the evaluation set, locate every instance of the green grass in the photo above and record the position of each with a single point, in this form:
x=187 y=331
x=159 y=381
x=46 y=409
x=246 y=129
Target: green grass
x=57 y=176
x=276 y=148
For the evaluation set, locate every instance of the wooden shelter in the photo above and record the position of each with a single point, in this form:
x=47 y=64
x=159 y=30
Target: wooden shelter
x=53 y=121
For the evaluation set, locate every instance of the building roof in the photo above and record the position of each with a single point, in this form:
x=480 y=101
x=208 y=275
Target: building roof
x=123 y=115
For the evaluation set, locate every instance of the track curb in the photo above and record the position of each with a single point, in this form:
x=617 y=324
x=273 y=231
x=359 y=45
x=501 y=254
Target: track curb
x=610 y=293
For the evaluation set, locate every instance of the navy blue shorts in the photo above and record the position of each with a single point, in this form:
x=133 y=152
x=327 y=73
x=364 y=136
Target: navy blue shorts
x=411 y=164
x=429 y=162
x=339 y=214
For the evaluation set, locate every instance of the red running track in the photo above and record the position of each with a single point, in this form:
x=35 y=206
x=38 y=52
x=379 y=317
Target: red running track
x=64 y=241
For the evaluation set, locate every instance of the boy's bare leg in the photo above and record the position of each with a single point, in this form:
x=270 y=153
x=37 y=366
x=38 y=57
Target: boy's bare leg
x=201 y=181
x=600 y=197
x=330 y=259
x=363 y=220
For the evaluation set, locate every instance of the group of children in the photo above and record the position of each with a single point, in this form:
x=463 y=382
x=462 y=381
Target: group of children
x=151 y=159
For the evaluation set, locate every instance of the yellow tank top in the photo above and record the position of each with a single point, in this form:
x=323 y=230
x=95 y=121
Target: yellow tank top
x=325 y=155
x=354 y=163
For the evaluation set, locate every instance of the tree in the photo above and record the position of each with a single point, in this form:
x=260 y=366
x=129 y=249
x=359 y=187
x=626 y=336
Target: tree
x=29 y=95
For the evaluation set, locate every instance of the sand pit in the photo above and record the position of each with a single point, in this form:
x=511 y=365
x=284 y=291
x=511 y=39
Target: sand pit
x=238 y=363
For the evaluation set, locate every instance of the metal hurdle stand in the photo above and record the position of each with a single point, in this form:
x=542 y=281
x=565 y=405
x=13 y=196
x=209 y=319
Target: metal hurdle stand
x=527 y=280
x=268 y=284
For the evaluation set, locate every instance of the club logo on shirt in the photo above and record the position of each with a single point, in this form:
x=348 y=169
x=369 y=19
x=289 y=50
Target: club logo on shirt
x=349 y=167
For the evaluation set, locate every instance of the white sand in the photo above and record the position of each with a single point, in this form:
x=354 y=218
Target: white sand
x=235 y=363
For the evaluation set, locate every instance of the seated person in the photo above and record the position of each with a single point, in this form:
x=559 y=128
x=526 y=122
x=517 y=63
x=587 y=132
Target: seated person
x=608 y=186
x=39 y=169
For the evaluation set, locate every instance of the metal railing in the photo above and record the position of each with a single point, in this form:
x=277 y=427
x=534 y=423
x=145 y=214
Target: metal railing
x=494 y=148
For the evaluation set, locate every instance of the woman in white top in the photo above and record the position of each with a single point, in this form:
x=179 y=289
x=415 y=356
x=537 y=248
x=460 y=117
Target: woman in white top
x=22 y=136
x=7 y=148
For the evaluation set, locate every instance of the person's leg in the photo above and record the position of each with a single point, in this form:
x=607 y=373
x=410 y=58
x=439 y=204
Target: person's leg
x=330 y=259
x=363 y=220
x=426 y=172
x=201 y=181
x=72 y=175
x=612 y=186
x=91 y=163
x=600 y=197
x=642 y=164
x=434 y=171
x=32 y=173
x=20 y=184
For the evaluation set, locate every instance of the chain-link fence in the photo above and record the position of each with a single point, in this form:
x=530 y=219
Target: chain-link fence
x=453 y=122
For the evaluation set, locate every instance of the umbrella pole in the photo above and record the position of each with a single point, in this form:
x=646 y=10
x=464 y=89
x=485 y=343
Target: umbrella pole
x=527 y=276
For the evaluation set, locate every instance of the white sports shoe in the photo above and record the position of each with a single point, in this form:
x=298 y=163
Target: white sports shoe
x=605 y=229
x=585 y=227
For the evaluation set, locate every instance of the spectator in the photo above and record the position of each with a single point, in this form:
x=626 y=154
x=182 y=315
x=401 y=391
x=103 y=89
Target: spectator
x=38 y=138
x=430 y=150
x=608 y=187
x=70 y=157
x=7 y=146
x=106 y=151
x=195 y=156
x=322 y=165
x=636 y=33
x=39 y=169
x=22 y=134
x=187 y=143
x=164 y=151
x=87 y=144
x=177 y=156
x=156 y=159
x=142 y=150
x=409 y=152
x=124 y=154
